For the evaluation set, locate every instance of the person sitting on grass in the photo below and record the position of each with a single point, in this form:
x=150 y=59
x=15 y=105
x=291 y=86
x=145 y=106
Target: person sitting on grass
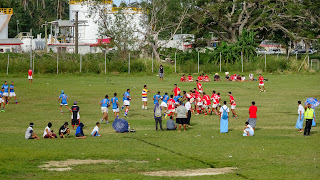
x=64 y=130
x=183 y=78
x=79 y=132
x=30 y=134
x=171 y=125
x=228 y=77
x=95 y=131
x=243 y=78
x=158 y=115
x=48 y=133
x=251 y=78
x=190 y=78
x=217 y=77
x=206 y=78
x=248 y=130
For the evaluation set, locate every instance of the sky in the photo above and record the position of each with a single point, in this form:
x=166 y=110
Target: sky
x=117 y=2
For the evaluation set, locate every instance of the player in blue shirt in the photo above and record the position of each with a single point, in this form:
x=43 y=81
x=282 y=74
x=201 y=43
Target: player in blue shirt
x=164 y=102
x=126 y=102
x=1 y=99
x=123 y=98
x=156 y=98
x=12 y=93
x=105 y=103
x=5 y=93
x=64 y=101
x=176 y=98
x=115 y=106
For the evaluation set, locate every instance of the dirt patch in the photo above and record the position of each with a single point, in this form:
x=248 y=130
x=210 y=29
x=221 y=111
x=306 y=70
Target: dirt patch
x=67 y=164
x=191 y=172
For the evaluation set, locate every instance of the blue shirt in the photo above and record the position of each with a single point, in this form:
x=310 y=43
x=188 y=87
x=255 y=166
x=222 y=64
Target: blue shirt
x=6 y=87
x=176 y=98
x=63 y=98
x=114 y=101
x=1 y=94
x=156 y=98
x=105 y=102
x=11 y=88
x=126 y=95
x=165 y=98
x=79 y=130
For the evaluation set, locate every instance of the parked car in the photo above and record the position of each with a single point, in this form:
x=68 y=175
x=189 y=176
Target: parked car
x=303 y=51
x=261 y=51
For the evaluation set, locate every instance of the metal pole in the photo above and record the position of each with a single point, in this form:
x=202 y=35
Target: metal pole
x=76 y=33
x=198 y=61
x=80 y=62
x=8 y=64
x=105 y=63
x=265 y=61
x=242 y=60
x=30 y=48
x=33 y=62
x=152 y=62
x=308 y=61
x=57 y=63
x=46 y=37
x=175 y=62
x=129 y=65
x=220 y=61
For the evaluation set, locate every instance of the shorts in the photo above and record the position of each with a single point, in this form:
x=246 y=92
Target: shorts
x=261 y=84
x=29 y=77
x=163 y=104
x=191 y=100
x=12 y=94
x=144 y=99
x=206 y=106
x=75 y=122
x=171 y=110
x=63 y=104
x=199 y=104
x=181 y=120
x=6 y=94
x=115 y=110
x=126 y=102
x=200 y=91
x=1 y=100
x=252 y=122
x=161 y=75
x=79 y=135
x=214 y=105
x=233 y=106
x=104 y=110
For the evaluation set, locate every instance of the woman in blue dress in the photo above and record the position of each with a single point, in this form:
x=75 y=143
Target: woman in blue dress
x=299 y=124
x=224 y=116
x=314 y=123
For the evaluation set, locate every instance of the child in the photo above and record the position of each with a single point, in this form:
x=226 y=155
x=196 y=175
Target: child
x=95 y=131
x=248 y=130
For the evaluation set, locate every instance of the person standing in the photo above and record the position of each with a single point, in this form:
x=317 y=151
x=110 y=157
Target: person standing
x=233 y=105
x=253 y=115
x=1 y=100
x=299 y=124
x=30 y=74
x=145 y=97
x=5 y=86
x=181 y=116
x=64 y=130
x=12 y=93
x=164 y=105
x=176 y=90
x=161 y=72
x=261 y=84
x=105 y=103
x=224 y=118
x=171 y=106
x=64 y=101
x=309 y=115
x=30 y=134
x=199 y=86
x=126 y=102
x=189 y=109
x=115 y=106
x=158 y=115
x=75 y=116
x=156 y=98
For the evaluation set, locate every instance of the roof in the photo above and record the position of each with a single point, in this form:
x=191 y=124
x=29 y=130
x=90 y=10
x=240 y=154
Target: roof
x=10 y=41
x=65 y=23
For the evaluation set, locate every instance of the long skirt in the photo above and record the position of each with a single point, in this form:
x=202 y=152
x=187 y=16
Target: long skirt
x=299 y=124
x=223 y=125
x=313 y=122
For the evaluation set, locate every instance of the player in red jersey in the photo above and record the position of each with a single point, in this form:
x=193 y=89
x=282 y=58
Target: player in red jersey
x=176 y=90
x=233 y=105
x=207 y=103
x=206 y=78
x=183 y=78
x=30 y=73
x=190 y=78
x=199 y=86
x=261 y=84
x=215 y=104
x=171 y=105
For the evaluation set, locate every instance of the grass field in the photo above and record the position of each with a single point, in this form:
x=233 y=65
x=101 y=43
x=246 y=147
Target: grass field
x=276 y=151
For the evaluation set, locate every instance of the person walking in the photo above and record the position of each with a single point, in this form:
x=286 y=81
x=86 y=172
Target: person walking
x=105 y=103
x=224 y=118
x=181 y=116
x=161 y=72
x=309 y=115
x=233 y=105
x=158 y=115
x=299 y=124
x=253 y=115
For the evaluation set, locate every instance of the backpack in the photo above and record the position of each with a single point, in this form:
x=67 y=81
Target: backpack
x=157 y=112
x=224 y=114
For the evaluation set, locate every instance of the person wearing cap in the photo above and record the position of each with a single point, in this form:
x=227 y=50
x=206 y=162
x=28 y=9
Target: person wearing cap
x=79 y=132
x=64 y=101
x=217 y=77
x=64 y=130
x=75 y=116
x=30 y=134
x=48 y=133
x=95 y=131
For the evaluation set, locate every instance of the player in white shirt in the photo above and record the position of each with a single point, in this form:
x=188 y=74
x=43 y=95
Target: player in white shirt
x=95 y=131
x=248 y=130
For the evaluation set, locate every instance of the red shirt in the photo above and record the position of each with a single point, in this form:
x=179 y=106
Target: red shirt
x=190 y=78
x=253 y=111
x=30 y=72
x=232 y=99
x=182 y=79
x=207 y=99
x=199 y=86
x=176 y=91
x=200 y=78
x=171 y=104
x=261 y=80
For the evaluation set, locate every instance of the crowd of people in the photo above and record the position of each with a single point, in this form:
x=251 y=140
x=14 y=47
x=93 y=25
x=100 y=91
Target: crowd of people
x=7 y=93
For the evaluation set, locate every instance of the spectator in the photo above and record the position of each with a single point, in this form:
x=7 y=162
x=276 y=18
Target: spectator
x=206 y=78
x=248 y=130
x=64 y=130
x=299 y=124
x=181 y=115
x=227 y=76
x=238 y=77
x=75 y=116
x=30 y=134
x=309 y=115
x=161 y=72
x=189 y=109
x=217 y=77
x=158 y=115
x=171 y=125
x=48 y=133
x=251 y=77
x=183 y=78
x=243 y=78
x=253 y=115
x=224 y=116
x=79 y=132
x=95 y=131
x=190 y=78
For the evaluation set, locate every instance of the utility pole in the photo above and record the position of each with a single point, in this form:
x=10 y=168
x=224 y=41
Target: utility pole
x=76 y=33
x=31 y=48
x=45 y=36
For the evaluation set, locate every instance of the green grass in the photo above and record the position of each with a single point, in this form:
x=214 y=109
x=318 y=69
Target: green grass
x=277 y=150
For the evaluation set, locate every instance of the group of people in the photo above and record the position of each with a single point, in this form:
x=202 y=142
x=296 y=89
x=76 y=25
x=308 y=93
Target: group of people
x=202 y=78
x=6 y=93
x=308 y=114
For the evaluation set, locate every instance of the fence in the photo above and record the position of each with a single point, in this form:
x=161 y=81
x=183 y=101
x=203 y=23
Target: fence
x=101 y=64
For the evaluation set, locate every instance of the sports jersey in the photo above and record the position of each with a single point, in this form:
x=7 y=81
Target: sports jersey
x=11 y=88
x=176 y=91
x=62 y=129
x=114 y=101
x=232 y=99
x=156 y=98
x=165 y=98
x=182 y=79
x=104 y=102
x=207 y=99
x=197 y=94
x=261 y=80
x=6 y=88
x=126 y=96
x=199 y=87
x=190 y=78
x=215 y=98
x=189 y=95
x=1 y=94
x=144 y=93
x=218 y=98
x=63 y=98
x=176 y=98
x=171 y=104
x=30 y=72
x=75 y=111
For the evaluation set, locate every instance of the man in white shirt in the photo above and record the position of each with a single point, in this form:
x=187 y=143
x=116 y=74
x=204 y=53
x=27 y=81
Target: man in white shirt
x=248 y=130
x=189 y=109
x=299 y=124
x=47 y=133
x=95 y=131
x=30 y=134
